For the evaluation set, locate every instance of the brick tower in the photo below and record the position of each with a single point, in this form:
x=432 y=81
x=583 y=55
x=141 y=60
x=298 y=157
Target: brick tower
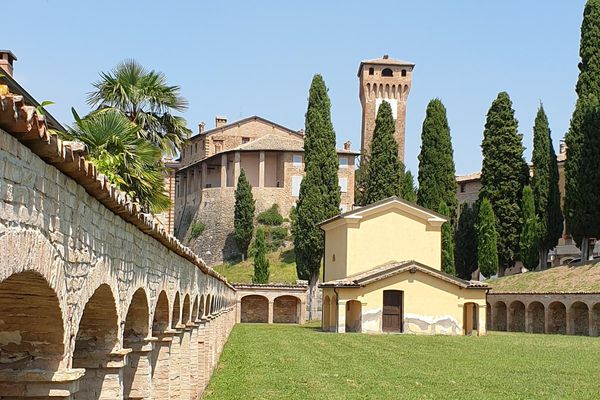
x=384 y=79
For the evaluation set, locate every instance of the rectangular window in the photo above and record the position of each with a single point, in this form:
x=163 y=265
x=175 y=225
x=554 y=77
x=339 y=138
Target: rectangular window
x=343 y=182
x=296 y=180
x=245 y=140
x=343 y=162
x=297 y=161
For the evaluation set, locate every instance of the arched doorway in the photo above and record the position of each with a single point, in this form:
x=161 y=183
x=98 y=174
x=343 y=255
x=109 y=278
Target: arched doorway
x=517 y=317
x=537 y=317
x=96 y=339
x=499 y=316
x=353 y=316
x=579 y=319
x=201 y=308
x=470 y=319
x=558 y=318
x=326 y=323
x=31 y=324
x=286 y=310
x=135 y=378
x=255 y=308
x=160 y=355
x=595 y=320
x=488 y=316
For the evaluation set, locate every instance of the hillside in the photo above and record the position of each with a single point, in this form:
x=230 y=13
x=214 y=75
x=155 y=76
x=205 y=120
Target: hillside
x=563 y=279
x=282 y=269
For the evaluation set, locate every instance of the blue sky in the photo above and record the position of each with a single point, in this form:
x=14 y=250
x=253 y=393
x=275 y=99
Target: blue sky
x=244 y=58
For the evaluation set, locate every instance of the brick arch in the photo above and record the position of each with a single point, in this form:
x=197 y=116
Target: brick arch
x=537 y=317
x=499 y=316
x=207 y=309
x=488 y=316
x=201 y=308
x=159 y=359
x=579 y=318
x=254 y=308
x=185 y=312
x=160 y=321
x=138 y=315
x=286 y=309
x=194 y=316
x=595 y=320
x=517 y=316
x=558 y=318
x=175 y=314
x=134 y=335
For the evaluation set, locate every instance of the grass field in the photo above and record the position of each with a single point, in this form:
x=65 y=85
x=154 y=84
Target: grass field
x=282 y=269
x=299 y=362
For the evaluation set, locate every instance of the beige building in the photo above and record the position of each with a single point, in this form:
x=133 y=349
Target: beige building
x=272 y=157
x=382 y=273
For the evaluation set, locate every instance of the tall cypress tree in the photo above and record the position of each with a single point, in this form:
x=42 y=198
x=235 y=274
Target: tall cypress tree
x=261 y=264
x=437 y=175
x=529 y=235
x=447 y=241
x=408 y=191
x=588 y=91
x=243 y=218
x=384 y=167
x=465 y=241
x=319 y=191
x=487 y=238
x=503 y=175
x=544 y=184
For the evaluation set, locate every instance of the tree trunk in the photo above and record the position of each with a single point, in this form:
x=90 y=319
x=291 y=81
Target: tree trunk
x=313 y=295
x=543 y=255
x=585 y=248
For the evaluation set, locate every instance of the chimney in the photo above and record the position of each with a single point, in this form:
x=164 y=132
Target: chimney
x=220 y=121
x=385 y=56
x=6 y=61
x=563 y=147
x=347 y=145
x=201 y=127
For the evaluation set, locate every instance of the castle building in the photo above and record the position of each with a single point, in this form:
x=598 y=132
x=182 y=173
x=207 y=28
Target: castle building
x=384 y=79
x=272 y=157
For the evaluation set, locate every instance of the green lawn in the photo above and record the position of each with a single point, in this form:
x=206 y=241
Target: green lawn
x=299 y=362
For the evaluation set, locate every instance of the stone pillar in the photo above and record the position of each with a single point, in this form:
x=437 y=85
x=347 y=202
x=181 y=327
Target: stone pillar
x=591 y=326
x=270 y=318
x=236 y=168
x=341 y=316
x=547 y=315
x=175 y=365
x=138 y=371
x=570 y=323
x=261 y=169
x=188 y=182
x=482 y=320
x=161 y=374
x=204 y=174
x=528 y=324
x=185 y=362
x=202 y=357
x=194 y=372
x=509 y=318
x=223 y=170
x=103 y=371
x=302 y=316
x=238 y=314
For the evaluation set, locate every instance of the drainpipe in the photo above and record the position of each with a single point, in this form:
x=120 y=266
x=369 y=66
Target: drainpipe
x=337 y=305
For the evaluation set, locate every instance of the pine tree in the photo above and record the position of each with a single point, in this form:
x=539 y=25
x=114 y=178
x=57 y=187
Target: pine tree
x=529 y=235
x=319 y=191
x=465 y=241
x=588 y=92
x=261 y=264
x=503 y=175
x=437 y=175
x=243 y=220
x=447 y=241
x=487 y=250
x=544 y=184
x=408 y=191
x=384 y=167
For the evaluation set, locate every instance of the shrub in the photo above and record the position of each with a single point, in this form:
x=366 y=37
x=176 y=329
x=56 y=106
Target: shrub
x=271 y=216
x=276 y=237
x=197 y=229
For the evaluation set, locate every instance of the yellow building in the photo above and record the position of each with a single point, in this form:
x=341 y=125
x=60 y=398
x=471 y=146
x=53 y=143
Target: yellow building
x=382 y=273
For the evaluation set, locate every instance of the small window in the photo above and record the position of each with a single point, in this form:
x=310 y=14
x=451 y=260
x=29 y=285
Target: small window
x=343 y=162
x=297 y=160
x=387 y=72
x=462 y=187
x=296 y=180
x=403 y=72
x=343 y=182
x=371 y=71
x=245 y=140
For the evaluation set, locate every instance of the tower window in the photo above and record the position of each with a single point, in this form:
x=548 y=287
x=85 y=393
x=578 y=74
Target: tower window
x=371 y=71
x=387 y=72
x=403 y=72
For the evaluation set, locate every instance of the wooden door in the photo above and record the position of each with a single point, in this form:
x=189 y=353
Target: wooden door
x=392 y=311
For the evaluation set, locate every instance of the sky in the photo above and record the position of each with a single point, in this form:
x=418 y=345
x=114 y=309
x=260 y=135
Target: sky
x=243 y=58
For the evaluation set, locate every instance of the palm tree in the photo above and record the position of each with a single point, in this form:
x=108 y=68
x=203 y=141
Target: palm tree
x=129 y=161
x=144 y=98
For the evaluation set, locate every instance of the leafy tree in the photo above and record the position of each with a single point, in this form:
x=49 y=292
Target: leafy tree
x=261 y=264
x=132 y=164
x=529 y=234
x=503 y=175
x=544 y=184
x=408 y=191
x=447 y=242
x=243 y=220
x=384 y=167
x=437 y=175
x=487 y=250
x=319 y=191
x=146 y=99
x=588 y=92
x=465 y=240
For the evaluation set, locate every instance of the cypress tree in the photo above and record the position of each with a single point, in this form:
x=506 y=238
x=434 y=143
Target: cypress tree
x=319 y=191
x=447 y=242
x=589 y=174
x=437 y=175
x=384 y=167
x=465 y=241
x=360 y=182
x=243 y=219
x=544 y=184
x=487 y=250
x=588 y=92
x=408 y=191
x=503 y=175
x=261 y=264
x=529 y=234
